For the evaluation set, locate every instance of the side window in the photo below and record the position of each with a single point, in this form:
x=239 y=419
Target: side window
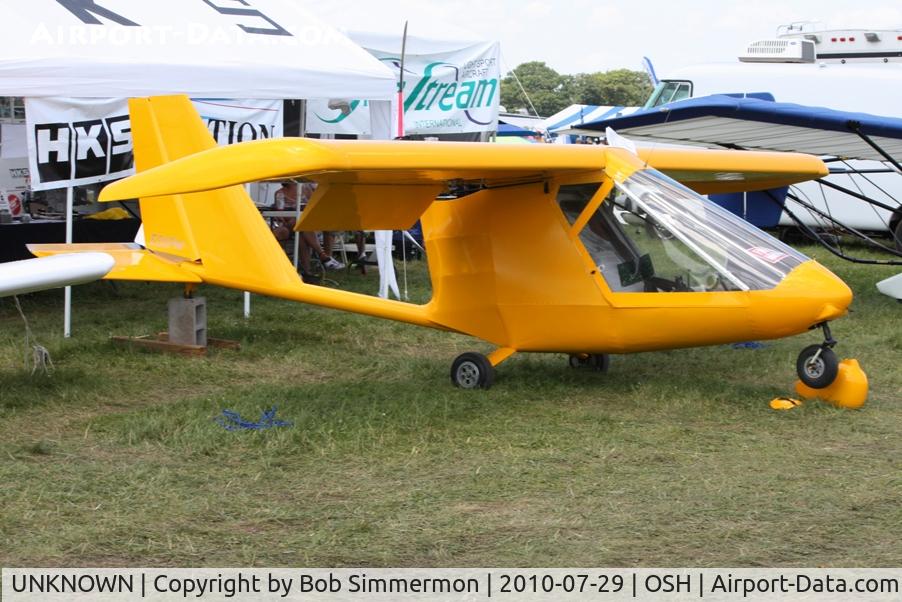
x=573 y=199
x=618 y=259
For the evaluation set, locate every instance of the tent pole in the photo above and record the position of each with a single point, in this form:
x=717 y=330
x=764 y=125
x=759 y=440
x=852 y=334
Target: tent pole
x=247 y=295
x=297 y=218
x=401 y=84
x=297 y=235
x=67 y=310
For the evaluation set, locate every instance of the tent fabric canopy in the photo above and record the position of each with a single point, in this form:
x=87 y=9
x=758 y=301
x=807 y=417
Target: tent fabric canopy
x=121 y=48
x=721 y=120
x=429 y=30
x=575 y=116
x=524 y=122
x=506 y=129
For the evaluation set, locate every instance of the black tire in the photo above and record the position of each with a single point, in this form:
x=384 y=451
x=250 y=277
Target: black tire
x=817 y=373
x=472 y=371
x=600 y=362
x=577 y=361
x=593 y=361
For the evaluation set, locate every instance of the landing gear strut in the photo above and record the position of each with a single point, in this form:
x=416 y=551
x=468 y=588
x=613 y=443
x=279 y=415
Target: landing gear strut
x=818 y=365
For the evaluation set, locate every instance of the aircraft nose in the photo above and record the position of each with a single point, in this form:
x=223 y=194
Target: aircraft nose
x=809 y=295
x=835 y=301
x=828 y=295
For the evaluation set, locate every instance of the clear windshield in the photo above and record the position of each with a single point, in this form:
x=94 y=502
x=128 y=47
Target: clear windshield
x=669 y=91
x=651 y=234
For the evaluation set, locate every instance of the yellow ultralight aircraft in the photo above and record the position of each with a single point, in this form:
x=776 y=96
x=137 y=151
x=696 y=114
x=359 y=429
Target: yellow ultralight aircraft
x=582 y=250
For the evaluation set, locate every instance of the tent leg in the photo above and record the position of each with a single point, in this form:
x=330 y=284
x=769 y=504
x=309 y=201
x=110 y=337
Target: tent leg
x=247 y=305
x=67 y=311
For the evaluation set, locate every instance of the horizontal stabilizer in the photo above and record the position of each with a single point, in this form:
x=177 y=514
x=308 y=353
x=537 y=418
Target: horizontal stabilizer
x=130 y=261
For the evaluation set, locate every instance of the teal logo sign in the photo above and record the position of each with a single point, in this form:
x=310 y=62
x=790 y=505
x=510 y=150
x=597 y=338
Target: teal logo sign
x=461 y=94
x=447 y=87
x=345 y=109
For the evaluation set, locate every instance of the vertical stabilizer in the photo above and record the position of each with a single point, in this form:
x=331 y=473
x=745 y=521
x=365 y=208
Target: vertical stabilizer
x=220 y=230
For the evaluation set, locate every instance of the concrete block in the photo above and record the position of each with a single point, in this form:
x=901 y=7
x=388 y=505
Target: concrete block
x=188 y=321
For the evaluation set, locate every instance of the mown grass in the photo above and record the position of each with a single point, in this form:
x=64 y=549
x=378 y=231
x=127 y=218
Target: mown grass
x=670 y=459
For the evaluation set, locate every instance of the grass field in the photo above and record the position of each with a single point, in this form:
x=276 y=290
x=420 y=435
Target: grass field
x=671 y=459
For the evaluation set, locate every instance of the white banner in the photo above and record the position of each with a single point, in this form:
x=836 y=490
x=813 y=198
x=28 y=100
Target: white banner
x=444 y=93
x=80 y=141
x=234 y=121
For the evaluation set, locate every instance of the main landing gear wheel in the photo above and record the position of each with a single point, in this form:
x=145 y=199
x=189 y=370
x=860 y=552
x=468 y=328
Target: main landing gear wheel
x=472 y=371
x=593 y=361
x=817 y=366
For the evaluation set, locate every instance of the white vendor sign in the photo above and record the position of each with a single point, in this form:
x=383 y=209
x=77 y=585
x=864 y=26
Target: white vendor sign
x=79 y=141
x=452 y=92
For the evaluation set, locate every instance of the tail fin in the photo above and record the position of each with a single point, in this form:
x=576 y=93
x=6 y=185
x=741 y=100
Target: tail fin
x=221 y=230
x=216 y=236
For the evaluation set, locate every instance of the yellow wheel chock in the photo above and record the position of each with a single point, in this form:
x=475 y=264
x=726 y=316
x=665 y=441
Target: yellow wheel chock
x=848 y=390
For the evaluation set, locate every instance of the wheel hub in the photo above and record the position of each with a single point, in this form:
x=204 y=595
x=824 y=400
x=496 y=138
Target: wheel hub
x=814 y=367
x=468 y=375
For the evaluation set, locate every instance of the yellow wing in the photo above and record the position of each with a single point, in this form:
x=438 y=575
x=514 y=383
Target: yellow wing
x=388 y=185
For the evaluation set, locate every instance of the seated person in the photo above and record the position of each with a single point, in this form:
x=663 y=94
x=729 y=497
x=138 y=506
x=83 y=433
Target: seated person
x=286 y=199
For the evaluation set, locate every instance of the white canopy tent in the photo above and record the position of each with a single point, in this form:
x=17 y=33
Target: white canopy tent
x=263 y=49
x=429 y=29
x=221 y=48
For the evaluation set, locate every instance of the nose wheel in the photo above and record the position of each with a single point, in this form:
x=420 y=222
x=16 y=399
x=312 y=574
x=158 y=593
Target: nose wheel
x=818 y=365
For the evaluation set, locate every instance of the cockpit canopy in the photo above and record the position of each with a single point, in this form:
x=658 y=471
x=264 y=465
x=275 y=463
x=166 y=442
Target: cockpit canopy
x=652 y=234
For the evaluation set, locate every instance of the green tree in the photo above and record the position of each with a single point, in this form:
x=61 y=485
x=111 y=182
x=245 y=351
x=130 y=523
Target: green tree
x=548 y=90
x=620 y=87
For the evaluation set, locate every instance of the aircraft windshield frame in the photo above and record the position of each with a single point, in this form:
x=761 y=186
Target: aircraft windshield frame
x=667 y=91
x=745 y=256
